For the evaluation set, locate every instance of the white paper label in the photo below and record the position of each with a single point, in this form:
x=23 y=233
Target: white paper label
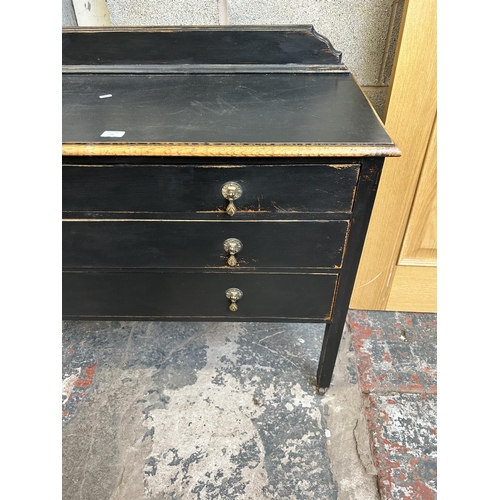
x=113 y=133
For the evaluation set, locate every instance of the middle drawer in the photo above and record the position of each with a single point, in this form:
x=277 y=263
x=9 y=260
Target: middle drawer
x=201 y=244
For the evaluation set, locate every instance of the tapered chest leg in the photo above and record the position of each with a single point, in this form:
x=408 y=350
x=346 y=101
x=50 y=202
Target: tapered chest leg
x=331 y=343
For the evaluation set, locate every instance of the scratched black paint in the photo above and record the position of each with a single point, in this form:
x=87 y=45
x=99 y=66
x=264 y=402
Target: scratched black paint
x=129 y=270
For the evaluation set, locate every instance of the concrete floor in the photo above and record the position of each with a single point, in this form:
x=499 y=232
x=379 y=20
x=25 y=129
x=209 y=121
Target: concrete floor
x=169 y=410
x=396 y=362
x=229 y=411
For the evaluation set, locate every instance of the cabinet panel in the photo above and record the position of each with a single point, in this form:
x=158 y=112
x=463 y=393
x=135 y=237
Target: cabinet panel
x=196 y=295
x=186 y=244
x=191 y=188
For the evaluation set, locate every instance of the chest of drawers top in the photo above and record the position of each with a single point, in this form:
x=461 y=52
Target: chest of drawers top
x=220 y=91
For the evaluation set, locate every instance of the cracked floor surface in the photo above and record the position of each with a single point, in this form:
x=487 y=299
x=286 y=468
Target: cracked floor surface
x=160 y=410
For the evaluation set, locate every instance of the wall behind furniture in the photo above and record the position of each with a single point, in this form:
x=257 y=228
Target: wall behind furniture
x=365 y=31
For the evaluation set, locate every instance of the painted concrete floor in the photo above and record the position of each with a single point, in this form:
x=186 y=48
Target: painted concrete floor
x=160 y=410
x=396 y=361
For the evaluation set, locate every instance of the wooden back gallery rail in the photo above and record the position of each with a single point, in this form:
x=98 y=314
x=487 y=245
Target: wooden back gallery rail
x=215 y=173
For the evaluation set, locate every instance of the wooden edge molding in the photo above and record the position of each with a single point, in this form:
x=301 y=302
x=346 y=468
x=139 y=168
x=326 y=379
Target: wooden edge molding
x=226 y=150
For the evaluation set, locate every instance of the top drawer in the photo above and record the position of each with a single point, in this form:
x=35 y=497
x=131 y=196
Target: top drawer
x=197 y=189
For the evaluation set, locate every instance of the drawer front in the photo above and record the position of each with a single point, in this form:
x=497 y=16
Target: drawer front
x=143 y=295
x=174 y=244
x=164 y=188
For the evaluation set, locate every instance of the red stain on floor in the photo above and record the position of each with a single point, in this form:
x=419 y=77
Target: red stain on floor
x=89 y=376
x=405 y=370
x=423 y=492
x=415 y=387
x=355 y=321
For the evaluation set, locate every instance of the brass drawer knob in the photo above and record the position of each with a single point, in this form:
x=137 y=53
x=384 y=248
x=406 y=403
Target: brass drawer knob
x=231 y=191
x=232 y=246
x=234 y=294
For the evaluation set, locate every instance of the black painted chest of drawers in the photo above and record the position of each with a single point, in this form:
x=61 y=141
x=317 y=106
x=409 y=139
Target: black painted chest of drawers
x=223 y=174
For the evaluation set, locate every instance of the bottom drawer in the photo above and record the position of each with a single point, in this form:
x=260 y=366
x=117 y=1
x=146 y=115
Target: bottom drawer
x=164 y=295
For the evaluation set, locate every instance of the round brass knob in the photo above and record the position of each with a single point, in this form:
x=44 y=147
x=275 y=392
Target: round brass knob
x=232 y=246
x=233 y=294
x=231 y=191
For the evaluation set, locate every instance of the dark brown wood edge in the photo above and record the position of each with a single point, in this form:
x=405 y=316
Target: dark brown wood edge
x=225 y=319
x=240 y=272
x=327 y=42
x=202 y=68
x=208 y=216
x=227 y=28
